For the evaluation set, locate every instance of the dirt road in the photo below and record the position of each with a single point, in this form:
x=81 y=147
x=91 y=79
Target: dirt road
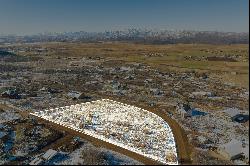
x=184 y=149
x=99 y=143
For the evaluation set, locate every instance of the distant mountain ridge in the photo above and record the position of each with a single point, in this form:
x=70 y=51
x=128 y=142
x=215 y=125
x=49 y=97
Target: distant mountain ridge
x=136 y=35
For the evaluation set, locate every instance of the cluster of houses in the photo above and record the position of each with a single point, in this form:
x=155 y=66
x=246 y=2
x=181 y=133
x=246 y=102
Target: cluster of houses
x=223 y=131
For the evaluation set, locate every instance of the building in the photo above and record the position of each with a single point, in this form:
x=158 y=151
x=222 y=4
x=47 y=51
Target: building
x=245 y=152
x=195 y=113
x=45 y=157
x=12 y=94
x=240 y=118
x=36 y=161
x=77 y=95
x=186 y=111
x=2 y=134
x=231 y=150
x=49 y=154
x=182 y=112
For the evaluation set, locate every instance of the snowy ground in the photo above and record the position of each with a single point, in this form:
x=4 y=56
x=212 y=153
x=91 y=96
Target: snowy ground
x=88 y=154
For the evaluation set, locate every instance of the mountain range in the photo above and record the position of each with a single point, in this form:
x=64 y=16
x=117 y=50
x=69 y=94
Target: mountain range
x=135 y=35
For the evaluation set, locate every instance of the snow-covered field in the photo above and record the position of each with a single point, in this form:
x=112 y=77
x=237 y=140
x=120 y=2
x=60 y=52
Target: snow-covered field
x=130 y=127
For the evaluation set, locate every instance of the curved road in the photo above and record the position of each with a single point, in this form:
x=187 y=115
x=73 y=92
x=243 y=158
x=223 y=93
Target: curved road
x=183 y=147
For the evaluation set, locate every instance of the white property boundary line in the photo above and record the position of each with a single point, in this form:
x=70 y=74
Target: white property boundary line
x=101 y=137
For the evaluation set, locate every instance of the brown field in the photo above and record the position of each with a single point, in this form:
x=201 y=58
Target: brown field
x=172 y=57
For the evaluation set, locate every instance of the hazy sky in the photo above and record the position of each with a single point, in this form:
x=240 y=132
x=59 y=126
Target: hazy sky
x=35 y=16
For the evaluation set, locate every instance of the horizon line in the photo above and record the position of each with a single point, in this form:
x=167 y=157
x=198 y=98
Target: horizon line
x=121 y=30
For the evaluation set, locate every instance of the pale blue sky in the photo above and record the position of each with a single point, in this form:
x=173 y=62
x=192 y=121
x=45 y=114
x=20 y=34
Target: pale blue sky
x=35 y=16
